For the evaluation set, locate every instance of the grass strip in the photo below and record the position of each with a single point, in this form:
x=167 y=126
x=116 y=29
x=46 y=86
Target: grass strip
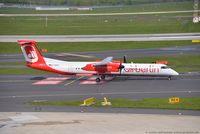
x=98 y=25
x=167 y=6
x=21 y=71
x=151 y=103
x=52 y=47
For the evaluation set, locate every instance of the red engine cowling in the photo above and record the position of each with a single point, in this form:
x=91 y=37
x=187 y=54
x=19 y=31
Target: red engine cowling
x=111 y=67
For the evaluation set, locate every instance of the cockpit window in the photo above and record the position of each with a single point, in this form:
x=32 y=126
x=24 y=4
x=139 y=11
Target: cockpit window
x=164 y=67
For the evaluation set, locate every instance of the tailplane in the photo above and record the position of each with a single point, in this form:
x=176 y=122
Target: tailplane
x=34 y=59
x=31 y=52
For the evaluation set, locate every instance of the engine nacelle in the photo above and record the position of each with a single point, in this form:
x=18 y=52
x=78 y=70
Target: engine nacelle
x=111 y=67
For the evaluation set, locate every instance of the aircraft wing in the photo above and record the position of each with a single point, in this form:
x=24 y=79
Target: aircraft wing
x=103 y=62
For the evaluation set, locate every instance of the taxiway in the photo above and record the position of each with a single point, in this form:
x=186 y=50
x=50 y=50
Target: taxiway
x=17 y=90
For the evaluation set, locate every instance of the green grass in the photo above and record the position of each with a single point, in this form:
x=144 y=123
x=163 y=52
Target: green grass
x=13 y=48
x=81 y=25
x=134 y=8
x=89 y=25
x=21 y=71
x=58 y=103
x=153 y=103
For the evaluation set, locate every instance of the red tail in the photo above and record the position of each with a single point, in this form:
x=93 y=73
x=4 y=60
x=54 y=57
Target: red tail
x=33 y=57
x=30 y=51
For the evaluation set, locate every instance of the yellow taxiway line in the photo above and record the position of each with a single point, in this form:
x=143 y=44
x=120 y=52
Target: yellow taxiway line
x=77 y=55
x=73 y=81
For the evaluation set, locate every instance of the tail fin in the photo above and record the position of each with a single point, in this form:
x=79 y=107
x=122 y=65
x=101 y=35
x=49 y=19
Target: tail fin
x=31 y=52
x=34 y=59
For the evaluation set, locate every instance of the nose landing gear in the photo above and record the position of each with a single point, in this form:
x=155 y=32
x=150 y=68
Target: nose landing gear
x=103 y=77
x=169 y=77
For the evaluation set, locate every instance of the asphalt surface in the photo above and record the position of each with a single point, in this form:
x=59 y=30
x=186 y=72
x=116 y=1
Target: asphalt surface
x=102 y=14
x=17 y=90
x=102 y=38
x=93 y=55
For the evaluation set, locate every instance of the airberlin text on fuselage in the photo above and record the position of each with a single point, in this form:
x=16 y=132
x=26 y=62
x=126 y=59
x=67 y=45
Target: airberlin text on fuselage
x=142 y=70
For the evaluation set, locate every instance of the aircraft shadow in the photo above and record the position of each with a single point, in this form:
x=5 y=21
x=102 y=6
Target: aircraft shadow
x=37 y=78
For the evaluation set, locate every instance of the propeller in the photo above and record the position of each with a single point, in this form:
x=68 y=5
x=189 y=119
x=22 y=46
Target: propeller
x=125 y=59
x=122 y=66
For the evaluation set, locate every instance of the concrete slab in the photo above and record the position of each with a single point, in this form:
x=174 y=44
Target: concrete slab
x=98 y=123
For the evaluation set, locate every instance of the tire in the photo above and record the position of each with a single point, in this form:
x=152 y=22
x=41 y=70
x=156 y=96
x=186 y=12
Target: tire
x=103 y=77
x=98 y=79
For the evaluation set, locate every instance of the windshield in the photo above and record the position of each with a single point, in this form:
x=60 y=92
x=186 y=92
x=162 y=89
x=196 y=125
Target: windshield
x=164 y=67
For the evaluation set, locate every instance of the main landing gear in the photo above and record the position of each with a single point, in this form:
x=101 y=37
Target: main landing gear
x=98 y=79
x=102 y=77
x=169 y=77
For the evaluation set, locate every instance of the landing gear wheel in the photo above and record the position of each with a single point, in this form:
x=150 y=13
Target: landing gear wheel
x=98 y=79
x=169 y=78
x=103 y=77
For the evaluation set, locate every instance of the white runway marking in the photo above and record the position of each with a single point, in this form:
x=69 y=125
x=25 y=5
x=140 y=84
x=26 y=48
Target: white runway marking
x=44 y=82
x=113 y=93
x=57 y=78
x=88 y=82
x=92 y=81
x=102 y=38
x=51 y=81
x=77 y=55
x=104 y=14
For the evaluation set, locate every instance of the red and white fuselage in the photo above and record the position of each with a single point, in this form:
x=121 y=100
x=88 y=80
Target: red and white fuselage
x=105 y=67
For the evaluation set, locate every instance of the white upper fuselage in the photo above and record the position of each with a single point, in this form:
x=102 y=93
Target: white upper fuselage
x=129 y=68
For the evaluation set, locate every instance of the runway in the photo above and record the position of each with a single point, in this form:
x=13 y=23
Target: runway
x=102 y=38
x=17 y=90
x=101 y=14
x=93 y=55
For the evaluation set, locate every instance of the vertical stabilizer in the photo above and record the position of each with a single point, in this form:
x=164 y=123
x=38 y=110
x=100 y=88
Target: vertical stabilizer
x=31 y=52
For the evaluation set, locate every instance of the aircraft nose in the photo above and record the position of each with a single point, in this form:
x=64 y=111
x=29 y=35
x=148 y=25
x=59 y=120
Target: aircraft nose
x=174 y=72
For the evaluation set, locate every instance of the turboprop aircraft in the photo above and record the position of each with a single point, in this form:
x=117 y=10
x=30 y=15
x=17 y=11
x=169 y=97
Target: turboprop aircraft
x=102 y=68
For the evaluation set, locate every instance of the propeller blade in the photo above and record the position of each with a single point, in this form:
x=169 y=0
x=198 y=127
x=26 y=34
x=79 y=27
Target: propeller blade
x=125 y=59
x=120 y=70
x=120 y=67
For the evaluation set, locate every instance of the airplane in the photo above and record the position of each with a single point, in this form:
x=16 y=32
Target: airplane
x=102 y=68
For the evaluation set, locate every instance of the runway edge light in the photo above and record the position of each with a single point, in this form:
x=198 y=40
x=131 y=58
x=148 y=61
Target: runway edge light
x=88 y=101
x=174 y=100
